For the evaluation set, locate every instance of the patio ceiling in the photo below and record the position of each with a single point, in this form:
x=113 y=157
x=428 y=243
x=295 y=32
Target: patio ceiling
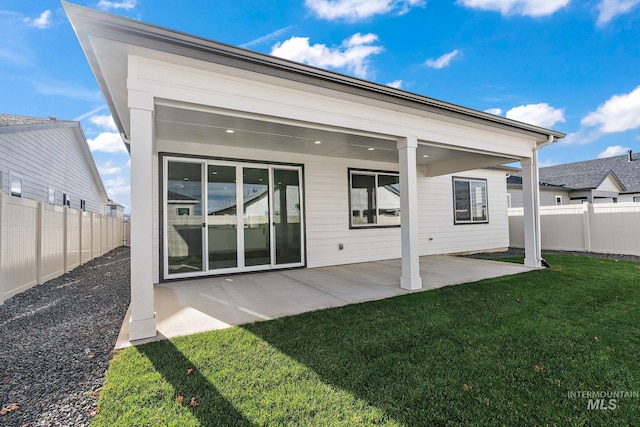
x=201 y=124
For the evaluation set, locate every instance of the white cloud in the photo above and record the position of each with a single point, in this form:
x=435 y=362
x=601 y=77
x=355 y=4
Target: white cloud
x=42 y=22
x=353 y=10
x=518 y=7
x=107 y=142
x=108 y=168
x=267 y=38
x=103 y=121
x=395 y=84
x=352 y=55
x=542 y=114
x=495 y=111
x=124 y=4
x=118 y=186
x=609 y=9
x=443 y=61
x=547 y=163
x=613 y=150
x=618 y=114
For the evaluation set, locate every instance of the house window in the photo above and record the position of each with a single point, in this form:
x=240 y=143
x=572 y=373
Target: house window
x=374 y=199
x=470 y=201
x=83 y=205
x=15 y=185
x=636 y=199
x=66 y=200
x=558 y=200
x=52 y=196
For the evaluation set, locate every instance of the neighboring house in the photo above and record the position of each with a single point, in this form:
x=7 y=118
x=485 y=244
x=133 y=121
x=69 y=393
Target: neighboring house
x=49 y=160
x=114 y=209
x=608 y=180
x=364 y=172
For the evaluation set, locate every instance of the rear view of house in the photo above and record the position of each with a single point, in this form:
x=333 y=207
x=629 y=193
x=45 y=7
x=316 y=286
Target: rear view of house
x=242 y=162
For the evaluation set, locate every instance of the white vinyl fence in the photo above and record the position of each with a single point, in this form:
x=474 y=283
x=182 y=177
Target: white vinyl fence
x=39 y=242
x=602 y=227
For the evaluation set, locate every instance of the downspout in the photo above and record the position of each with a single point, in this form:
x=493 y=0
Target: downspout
x=536 y=196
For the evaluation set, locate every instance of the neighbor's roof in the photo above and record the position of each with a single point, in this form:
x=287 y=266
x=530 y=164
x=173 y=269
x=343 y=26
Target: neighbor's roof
x=591 y=173
x=12 y=120
x=89 y=23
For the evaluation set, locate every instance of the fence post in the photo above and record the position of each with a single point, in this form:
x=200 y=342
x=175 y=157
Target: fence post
x=80 y=237
x=586 y=225
x=65 y=239
x=39 y=228
x=2 y=279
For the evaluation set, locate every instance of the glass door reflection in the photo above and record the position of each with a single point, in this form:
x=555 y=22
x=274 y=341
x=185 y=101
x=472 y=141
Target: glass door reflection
x=255 y=202
x=184 y=217
x=287 y=216
x=222 y=219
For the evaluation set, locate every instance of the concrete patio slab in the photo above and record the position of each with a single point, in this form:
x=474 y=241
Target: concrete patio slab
x=187 y=307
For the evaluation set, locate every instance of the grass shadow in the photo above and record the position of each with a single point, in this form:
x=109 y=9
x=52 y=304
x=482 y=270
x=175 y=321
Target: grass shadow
x=212 y=408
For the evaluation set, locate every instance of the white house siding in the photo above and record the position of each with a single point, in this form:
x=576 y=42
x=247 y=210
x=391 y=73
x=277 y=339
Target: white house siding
x=50 y=157
x=624 y=198
x=609 y=184
x=439 y=234
x=326 y=198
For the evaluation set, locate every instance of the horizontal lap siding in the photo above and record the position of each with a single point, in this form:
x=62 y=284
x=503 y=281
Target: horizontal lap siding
x=328 y=218
x=435 y=205
x=50 y=158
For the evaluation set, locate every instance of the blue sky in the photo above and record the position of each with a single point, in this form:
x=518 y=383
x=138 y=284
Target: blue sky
x=570 y=65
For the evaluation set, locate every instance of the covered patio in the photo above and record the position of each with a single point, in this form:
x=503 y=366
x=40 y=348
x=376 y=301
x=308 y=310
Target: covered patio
x=199 y=305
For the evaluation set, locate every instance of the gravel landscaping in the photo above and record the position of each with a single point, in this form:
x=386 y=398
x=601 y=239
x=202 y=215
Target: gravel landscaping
x=56 y=343
x=517 y=252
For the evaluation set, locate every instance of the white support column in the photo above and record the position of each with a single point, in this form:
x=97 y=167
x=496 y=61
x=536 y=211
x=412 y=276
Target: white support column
x=531 y=205
x=142 y=323
x=410 y=279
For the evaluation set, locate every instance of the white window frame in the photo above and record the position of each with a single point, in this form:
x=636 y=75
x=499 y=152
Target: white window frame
x=51 y=193
x=17 y=178
x=376 y=175
x=559 y=200
x=485 y=201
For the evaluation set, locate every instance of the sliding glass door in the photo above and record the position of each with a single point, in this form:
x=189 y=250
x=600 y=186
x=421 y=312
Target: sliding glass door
x=222 y=217
x=287 y=216
x=183 y=212
x=253 y=220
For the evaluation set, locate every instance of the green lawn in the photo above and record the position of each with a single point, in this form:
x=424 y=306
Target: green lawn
x=504 y=351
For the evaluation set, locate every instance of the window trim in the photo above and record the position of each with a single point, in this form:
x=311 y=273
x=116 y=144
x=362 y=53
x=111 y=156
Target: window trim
x=374 y=173
x=453 y=191
x=12 y=176
x=51 y=190
x=559 y=199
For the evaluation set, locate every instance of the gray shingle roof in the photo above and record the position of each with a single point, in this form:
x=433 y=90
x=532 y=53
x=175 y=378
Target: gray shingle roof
x=7 y=120
x=590 y=173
